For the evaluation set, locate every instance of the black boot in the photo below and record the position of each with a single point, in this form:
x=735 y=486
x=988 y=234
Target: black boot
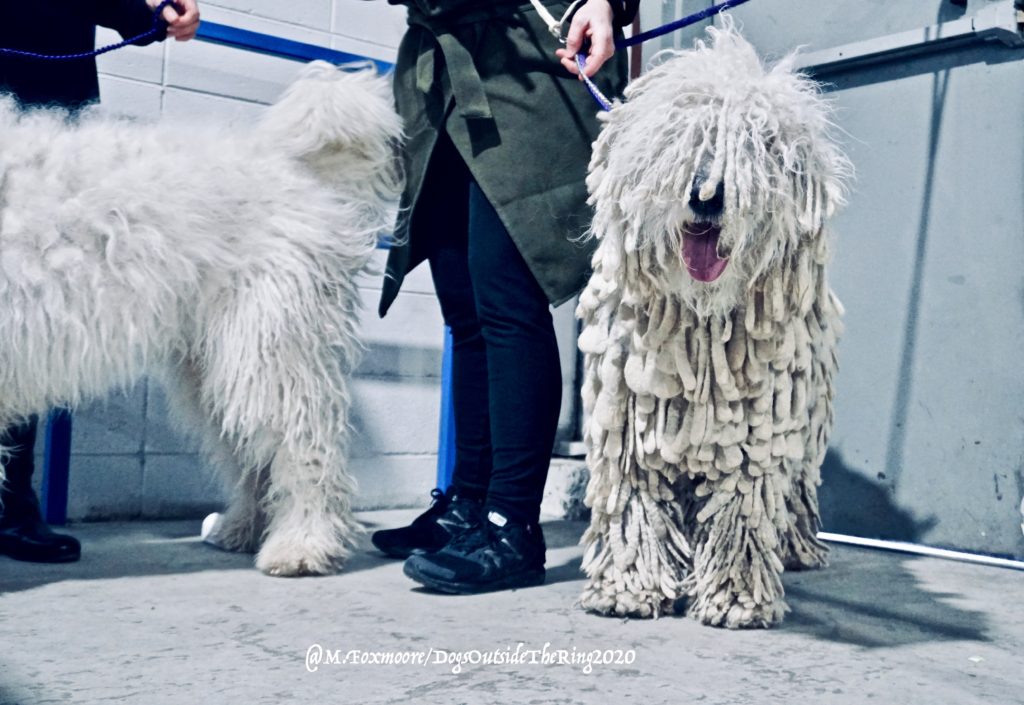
x=448 y=516
x=24 y=536
x=499 y=554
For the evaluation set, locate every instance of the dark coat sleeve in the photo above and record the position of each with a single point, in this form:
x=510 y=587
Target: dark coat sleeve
x=623 y=11
x=129 y=18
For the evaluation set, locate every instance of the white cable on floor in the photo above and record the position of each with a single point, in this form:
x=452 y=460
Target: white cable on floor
x=903 y=547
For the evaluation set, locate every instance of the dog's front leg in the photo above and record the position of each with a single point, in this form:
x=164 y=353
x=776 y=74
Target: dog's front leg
x=738 y=556
x=637 y=557
x=637 y=560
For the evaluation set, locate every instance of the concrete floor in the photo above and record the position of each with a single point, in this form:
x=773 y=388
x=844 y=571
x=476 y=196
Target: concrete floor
x=152 y=616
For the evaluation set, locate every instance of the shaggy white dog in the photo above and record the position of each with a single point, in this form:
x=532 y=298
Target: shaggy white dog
x=222 y=260
x=710 y=337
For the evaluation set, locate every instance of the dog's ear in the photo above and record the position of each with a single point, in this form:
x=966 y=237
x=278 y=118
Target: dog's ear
x=834 y=197
x=818 y=198
x=835 y=172
x=816 y=163
x=603 y=191
x=819 y=176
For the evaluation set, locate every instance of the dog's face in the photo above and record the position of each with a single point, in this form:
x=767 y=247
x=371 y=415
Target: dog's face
x=713 y=171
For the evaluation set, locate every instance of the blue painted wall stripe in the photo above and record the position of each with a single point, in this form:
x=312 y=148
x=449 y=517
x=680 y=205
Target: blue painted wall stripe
x=269 y=44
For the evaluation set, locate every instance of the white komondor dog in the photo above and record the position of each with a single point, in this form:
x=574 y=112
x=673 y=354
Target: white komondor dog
x=710 y=337
x=222 y=261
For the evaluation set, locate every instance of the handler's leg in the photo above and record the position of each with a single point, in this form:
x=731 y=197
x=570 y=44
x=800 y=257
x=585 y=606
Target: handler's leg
x=24 y=535
x=444 y=214
x=524 y=388
x=450 y=270
x=524 y=371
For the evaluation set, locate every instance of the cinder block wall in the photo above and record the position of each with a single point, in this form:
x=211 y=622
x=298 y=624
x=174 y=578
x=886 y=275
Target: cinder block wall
x=127 y=460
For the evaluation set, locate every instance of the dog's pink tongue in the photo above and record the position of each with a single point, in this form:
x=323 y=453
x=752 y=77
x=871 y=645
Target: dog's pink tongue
x=700 y=253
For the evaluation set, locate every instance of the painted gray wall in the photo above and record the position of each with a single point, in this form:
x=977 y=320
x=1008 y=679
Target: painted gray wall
x=929 y=440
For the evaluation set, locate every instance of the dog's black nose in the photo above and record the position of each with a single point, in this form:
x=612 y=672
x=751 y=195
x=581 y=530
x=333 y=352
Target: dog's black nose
x=711 y=207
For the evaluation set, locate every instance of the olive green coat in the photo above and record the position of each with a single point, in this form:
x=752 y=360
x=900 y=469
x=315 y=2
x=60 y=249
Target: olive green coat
x=486 y=73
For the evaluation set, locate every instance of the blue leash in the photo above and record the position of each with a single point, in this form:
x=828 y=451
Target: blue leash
x=677 y=24
x=154 y=31
x=581 y=59
x=601 y=98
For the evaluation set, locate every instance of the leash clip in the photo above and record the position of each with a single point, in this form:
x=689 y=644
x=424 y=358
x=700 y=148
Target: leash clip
x=555 y=27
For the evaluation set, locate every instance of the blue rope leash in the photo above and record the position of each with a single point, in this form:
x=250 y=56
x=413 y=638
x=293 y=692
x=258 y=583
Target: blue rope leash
x=154 y=31
x=601 y=98
x=677 y=24
x=581 y=59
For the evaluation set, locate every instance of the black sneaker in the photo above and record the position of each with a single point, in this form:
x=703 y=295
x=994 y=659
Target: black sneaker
x=448 y=516
x=498 y=554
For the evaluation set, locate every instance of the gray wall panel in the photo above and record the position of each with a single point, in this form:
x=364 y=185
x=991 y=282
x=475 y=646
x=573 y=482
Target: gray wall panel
x=779 y=27
x=929 y=441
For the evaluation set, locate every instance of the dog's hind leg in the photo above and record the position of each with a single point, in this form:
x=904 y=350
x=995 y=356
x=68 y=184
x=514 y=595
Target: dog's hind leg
x=241 y=526
x=276 y=360
x=802 y=549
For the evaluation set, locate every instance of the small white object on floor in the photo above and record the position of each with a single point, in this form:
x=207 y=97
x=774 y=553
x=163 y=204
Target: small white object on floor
x=209 y=527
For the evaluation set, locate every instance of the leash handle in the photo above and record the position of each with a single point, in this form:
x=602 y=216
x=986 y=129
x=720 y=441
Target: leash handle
x=158 y=26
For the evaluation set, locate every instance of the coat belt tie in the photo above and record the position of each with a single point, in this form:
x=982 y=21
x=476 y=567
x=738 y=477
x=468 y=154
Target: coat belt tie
x=467 y=86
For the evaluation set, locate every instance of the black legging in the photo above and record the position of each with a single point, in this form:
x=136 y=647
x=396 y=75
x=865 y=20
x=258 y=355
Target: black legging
x=507 y=382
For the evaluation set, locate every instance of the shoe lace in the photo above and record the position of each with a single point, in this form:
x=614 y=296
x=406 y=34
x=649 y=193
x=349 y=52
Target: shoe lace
x=438 y=505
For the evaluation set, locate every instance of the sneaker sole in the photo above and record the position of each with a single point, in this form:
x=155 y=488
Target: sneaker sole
x=31 y=557
x=402 y=555
x=531 y=578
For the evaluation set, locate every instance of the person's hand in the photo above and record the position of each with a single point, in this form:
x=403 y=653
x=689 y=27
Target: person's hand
x=182 y=18
x=593 y=21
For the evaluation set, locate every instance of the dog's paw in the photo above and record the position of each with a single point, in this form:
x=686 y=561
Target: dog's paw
x=806 y=561
x=732 y=613
x=802 y=550
x=643 y=604
x=288 y=567
x=287 y=559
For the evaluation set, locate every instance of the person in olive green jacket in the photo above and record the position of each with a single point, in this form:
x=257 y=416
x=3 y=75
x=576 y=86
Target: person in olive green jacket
x=499 y=135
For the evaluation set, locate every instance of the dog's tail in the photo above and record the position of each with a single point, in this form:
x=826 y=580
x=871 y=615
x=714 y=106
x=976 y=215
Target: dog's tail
x=340 y=121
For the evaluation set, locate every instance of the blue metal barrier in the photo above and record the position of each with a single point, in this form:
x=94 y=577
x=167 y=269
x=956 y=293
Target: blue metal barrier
x=280 y=47
x=446 y=431
x=56 y=466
